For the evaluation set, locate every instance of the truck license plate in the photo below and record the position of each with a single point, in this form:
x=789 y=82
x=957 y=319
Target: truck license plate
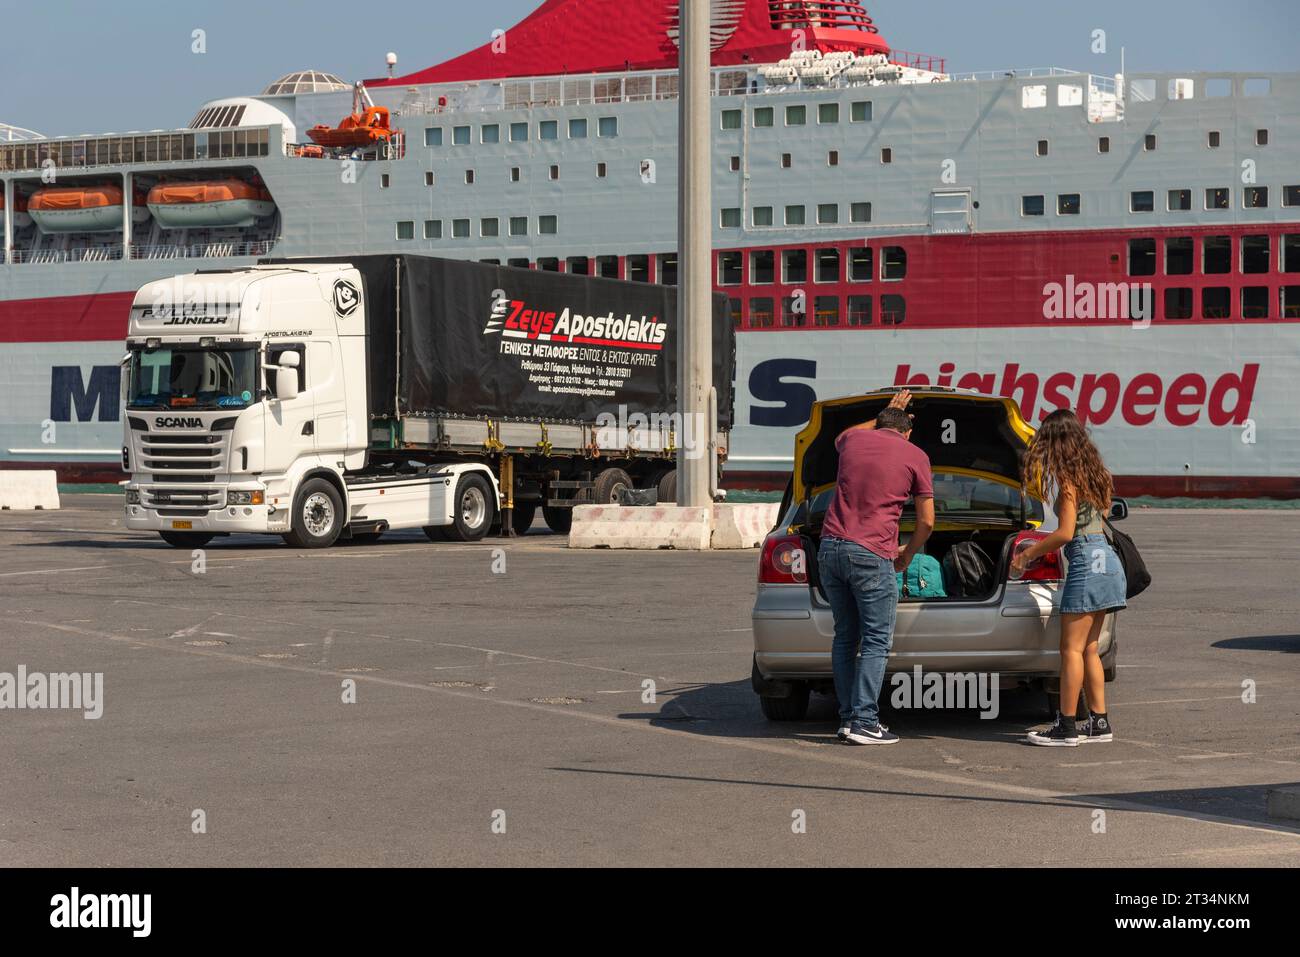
x=183 y=525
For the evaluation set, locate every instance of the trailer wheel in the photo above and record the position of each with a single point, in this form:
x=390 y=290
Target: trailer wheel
x=608 y=485
x=186 y=539
x=317 y=519
x=474 y=509
x=668 y=488
x=558 y=519
x=524 y=515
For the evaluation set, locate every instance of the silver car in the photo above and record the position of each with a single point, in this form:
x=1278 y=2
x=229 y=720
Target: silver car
x=1012 y=628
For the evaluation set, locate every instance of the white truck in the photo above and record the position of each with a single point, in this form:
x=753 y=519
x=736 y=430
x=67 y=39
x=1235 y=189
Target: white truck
x=318 y=400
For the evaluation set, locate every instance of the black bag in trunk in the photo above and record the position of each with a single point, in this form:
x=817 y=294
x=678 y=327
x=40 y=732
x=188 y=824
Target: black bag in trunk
x=967 y=570
x=1135 y=570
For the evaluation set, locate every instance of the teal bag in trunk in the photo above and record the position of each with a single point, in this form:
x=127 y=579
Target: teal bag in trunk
x=923 y=579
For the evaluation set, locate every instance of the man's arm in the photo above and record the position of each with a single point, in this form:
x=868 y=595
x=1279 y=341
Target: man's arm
x=900 y=401
x=924 y=526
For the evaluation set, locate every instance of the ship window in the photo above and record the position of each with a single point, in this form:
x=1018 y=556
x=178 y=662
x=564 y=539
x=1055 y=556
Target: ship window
x=460 y=136
x=859 y=310
x=828 y=113
x=1141 y=257
x=1218 y=198
x=1033 y=97
x=433 y=136
x=548 y=130
x=730 y=267
x=860 y=213
x=607 y=126
x=668 y=269
x=1043 y=147
x=1069 y=94
x=578 y=266
x=428 y=177
x=602 y=170
x=1149 y=142
x=762 y=216
x=786 y=161
x=731 y=218
x=887 y=155
x=1218 y=87
x=1291 y=253
x=548 y=264
x=518 y=132
x=1216 y=254
x=406 y=229
x=518 y=225
x=555 y=172
x=826 y=311
x=1261 y=137
x=1254 y=302
x=828 y=265
x=793 y=311
x=1255 y=254
x=460 y=228
x=490 y=133
x=548 y=225
x=607 y=267
x=893 y=263
x=731 y=83
x=1290 y=296
x=796 y=115
x=735 y=164
x=761 y=313
x=893 y=310
x=638 y=268
x=1178 y=303
x=609 y=90
x=469 y=177
x=1067 y=204
x=516 y=174
x=732 y=119
x=1216 y=302
x=860 y=111
x=861 y=268
x=384 y=181
x=794 y=216
x=433 y=229
x=736 y=309
x=577 y=128
x=1256 y=86
x=1255 y=197
x=1213 y=139
x=828 y=214
x=794 y=266
x=762 y=267
x=833 y=158
x=1031 y=205
x=1179 y=256
x=489 y=227
x=1103 y=144
x=1142 y=201
x=764 y=116
x=1180 y=200
x=1291 y=196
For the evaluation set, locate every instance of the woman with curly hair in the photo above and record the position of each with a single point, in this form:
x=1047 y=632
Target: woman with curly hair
x=1062 y=459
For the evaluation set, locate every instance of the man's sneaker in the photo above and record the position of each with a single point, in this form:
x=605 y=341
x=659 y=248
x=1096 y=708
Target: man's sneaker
x=862 y=733
x=1096 y=728
x=843 y=732
x=1057 y=736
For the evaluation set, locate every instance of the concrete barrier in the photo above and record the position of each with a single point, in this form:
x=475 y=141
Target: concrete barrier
x=23 y=490
x=655 y=526
x=1284 y=801
x=742 y=526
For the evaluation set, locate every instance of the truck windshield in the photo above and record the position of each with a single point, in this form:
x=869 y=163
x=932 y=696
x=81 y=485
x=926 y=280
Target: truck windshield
x=220 y=378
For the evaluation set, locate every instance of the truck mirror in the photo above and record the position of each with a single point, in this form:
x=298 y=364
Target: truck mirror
x=289 y=360
x=286 y=382
x=1118 y=509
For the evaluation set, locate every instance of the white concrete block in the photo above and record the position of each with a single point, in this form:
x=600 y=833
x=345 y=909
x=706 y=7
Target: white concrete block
x=25 y=490
x=1284 y=801
x=742 y=526
x=656 y=526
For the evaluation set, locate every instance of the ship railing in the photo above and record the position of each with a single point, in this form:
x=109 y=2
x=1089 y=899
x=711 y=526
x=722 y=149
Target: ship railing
x=918 y=61
x=113 y=251
x=394 y=149
x=86 y=254
x=1033 y=72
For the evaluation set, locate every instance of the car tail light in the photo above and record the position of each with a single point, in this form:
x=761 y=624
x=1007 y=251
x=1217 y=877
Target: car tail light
x=784 y=561
x=1046 y=568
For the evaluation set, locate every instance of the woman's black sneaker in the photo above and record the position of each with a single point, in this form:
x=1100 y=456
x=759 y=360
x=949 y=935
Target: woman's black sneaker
x=1096 y=728
x=1059 y=735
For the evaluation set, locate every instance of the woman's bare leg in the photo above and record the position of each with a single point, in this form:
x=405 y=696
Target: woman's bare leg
x=1094 y=675
x=1074 y=638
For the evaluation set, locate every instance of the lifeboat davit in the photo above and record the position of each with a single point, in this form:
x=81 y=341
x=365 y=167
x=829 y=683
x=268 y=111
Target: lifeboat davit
x=21 y=217
x=213 y=203
x=366 y=128
x=82 y=209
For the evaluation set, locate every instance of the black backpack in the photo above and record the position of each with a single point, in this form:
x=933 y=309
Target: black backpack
x=1135 y=570
x=967 y=570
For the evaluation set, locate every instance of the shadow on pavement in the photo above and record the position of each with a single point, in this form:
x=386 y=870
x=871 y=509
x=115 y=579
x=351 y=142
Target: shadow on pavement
x=1288 y=644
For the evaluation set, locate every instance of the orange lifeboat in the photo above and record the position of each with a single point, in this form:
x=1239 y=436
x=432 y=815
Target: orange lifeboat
x=210 y=203
x=82 y=209
x=366 y=128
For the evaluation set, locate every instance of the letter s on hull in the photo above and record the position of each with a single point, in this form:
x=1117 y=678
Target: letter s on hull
x=767 y=384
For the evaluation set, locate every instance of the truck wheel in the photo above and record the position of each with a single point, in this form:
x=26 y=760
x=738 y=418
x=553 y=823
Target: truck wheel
x=474 y=509
x=792 y=708
x=186 y=539
x=317 y=519
x=668 y=488
x=608 y=485
x=524 y=515
x=559 y=520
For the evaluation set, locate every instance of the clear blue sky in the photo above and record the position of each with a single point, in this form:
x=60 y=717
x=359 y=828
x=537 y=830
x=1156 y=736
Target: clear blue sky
x=85 y=66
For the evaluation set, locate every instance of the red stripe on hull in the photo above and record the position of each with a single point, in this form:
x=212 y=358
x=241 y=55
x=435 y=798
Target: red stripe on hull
x=95 y=318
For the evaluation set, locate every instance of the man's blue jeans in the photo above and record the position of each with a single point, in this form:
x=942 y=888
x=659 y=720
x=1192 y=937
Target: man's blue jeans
x=863 y=592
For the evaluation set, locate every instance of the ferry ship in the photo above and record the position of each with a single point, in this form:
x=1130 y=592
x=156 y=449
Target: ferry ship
x=1125 y=245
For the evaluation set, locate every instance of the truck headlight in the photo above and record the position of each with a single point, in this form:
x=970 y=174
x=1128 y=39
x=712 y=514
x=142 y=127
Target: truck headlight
x=132 y=497
x=244 y=498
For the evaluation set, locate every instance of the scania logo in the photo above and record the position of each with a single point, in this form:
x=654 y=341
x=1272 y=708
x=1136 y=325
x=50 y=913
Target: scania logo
x=166 y=422
x=346 y=298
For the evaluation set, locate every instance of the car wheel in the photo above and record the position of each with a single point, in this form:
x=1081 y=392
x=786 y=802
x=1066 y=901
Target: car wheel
x=186 y=539
x=317 y=519
x=474 y=509
x=559 y=520
x=525 y=513
x=794 y=707
x=668 y=488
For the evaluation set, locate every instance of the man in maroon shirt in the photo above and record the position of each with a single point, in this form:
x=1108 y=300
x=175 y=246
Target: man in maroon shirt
x=879 y=470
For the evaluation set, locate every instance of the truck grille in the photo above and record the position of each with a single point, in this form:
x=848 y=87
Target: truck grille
x=182 y=502
x=183 y=458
